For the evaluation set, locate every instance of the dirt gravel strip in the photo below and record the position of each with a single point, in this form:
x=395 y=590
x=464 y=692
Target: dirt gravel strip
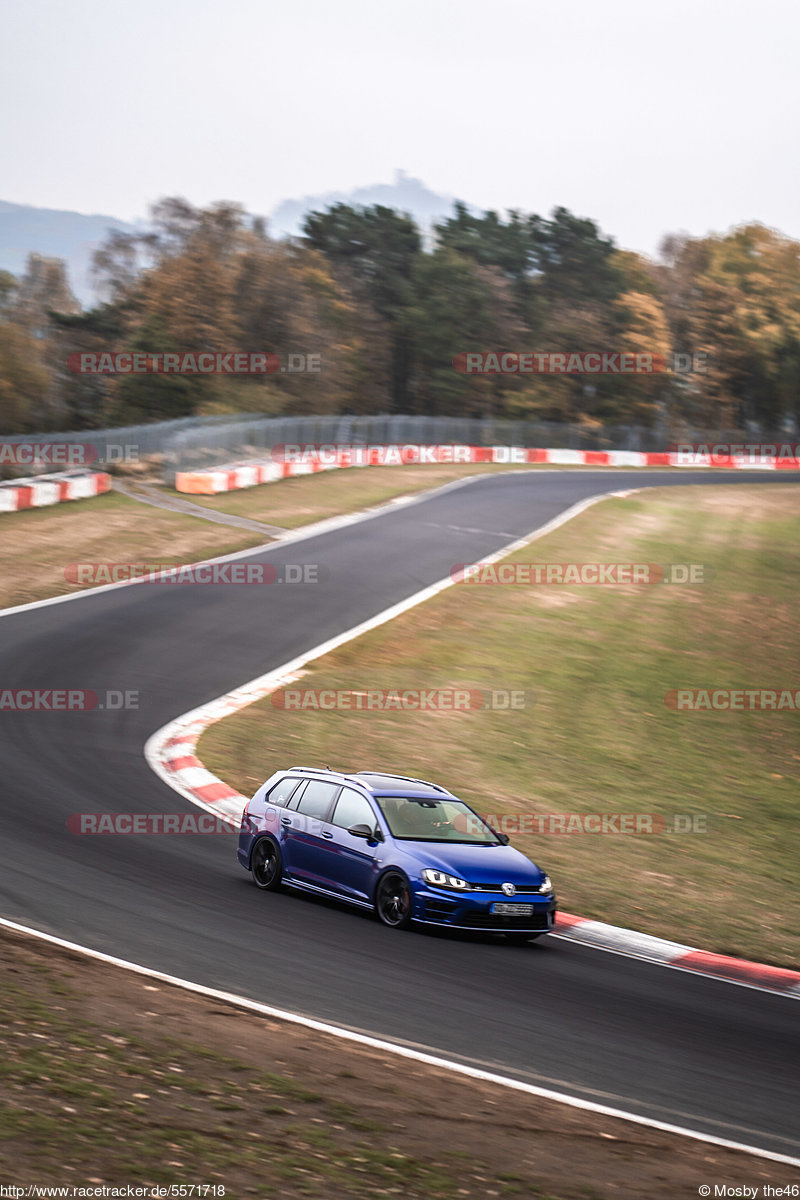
x=146 y=494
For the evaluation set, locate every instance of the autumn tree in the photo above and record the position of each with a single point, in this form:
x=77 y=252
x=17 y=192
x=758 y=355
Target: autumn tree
x=25 y=382
x=736 y=299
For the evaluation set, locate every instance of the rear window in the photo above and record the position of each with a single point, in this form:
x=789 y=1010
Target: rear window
x=282 y=791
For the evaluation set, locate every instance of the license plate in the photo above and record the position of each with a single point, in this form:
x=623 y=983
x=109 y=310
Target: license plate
x=512 y=910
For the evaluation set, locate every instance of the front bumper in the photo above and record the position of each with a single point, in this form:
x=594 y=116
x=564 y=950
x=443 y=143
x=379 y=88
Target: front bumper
x=473 y=910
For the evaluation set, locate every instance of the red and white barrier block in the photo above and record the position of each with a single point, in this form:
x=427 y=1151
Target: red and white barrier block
x=299 y=460
x=42 y=490
x=233 y=476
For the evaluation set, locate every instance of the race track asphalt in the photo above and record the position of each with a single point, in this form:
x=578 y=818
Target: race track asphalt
x=681 y=1048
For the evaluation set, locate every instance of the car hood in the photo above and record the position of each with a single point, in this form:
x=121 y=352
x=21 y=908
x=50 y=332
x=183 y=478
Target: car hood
x=476 y=864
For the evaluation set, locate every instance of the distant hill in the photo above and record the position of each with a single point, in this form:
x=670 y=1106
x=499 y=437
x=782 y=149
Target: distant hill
x=72 y=236
x=406 y=194
x=54 y=233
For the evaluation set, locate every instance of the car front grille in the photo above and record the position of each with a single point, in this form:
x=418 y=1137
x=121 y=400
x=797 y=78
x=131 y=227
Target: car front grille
x=495 y=888
x=487 y=920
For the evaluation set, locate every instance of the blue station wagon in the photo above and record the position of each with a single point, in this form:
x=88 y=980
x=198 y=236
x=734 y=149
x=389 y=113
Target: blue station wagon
x=407 y=849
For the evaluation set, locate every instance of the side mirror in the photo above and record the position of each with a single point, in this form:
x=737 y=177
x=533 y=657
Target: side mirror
x=362 y=831
x=502 y=838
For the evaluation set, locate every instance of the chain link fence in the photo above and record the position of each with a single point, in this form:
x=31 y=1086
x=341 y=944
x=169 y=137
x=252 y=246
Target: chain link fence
x=109 y=448
x=194 y=443
x=192 y=449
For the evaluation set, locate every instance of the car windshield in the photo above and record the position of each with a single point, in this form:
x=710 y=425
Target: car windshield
x=412 y=819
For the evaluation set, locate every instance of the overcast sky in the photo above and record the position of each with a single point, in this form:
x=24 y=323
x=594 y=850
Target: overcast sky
x=648 y=116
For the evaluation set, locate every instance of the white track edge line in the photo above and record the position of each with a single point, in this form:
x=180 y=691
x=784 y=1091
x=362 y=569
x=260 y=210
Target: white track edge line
x=364 y=1039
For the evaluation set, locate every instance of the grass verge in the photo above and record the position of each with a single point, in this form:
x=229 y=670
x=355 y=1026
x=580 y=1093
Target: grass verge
x=599 y=737
x=38 y=544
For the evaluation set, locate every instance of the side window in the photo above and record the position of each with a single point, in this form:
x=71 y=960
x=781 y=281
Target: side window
x=282 y=791
x=316 y=799
x=353 y=809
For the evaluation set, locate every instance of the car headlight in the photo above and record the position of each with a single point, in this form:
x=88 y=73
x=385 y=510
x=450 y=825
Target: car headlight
x=546 y=886
x=443 y=880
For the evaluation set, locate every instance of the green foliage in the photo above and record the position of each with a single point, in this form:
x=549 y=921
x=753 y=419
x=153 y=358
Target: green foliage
x=379 y=244
x=138 y=398
x=377 y=249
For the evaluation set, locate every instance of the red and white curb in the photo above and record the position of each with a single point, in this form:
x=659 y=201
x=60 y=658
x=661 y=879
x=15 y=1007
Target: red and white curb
x=255 y=471
x=673 y=954
x=172 y=753
x=43 y=490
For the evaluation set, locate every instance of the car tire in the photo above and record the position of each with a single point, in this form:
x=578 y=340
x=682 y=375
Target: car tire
x=266 y=866
x=522 y=939
x=393 y=900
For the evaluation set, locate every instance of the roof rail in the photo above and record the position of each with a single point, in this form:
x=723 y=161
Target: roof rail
x=322 y=770
x=436 y=787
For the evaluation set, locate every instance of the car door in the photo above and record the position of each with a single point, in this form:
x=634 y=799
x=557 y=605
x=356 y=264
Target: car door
x=351 y=861
x=301 y=827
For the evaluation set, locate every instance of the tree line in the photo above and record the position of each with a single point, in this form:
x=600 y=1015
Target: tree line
x=387 y=307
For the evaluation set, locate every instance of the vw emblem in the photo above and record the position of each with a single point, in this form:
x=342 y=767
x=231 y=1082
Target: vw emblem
x=508 y=889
